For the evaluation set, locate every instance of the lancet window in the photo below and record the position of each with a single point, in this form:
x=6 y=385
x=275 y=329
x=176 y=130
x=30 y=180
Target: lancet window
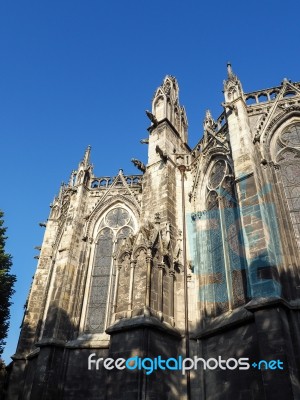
x=288 y=157
x=116 y=225
x=220 y=261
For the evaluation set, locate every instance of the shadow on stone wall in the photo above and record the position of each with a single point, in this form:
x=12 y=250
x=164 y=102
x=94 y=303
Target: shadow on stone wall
x=37 y=363
x=266 y=328
x=56 y=366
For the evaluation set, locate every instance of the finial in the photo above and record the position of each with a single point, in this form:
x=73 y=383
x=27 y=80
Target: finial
x=231 y=78
x=208 y=114
x=229 y=70
x=208 y=120
x=86 y=158
x=72 y=177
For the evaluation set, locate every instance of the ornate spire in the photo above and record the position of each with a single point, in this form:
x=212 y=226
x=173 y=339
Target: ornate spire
x=231 y=77
x=86 y=158
x=232 y=85
x=85 y=169
x=166 y=106
x=85 y=162
x=209 y=122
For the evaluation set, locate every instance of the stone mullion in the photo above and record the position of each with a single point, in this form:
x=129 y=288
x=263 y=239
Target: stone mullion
x=110 y=284
x=226 y=255
x=115 y=303
x=132 y=269
x=203 y=278
x=211 y=310
x=171 y=295
x=160 y=290
x=148 y=282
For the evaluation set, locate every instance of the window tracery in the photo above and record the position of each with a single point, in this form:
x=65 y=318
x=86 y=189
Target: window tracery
x=288 y=157
x=116 y=225
x=221 y=266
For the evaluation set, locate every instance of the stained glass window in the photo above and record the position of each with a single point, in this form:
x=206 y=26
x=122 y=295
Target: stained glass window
x=291 y=136
x=220 y=266
x=115 y=226
x=288 y=157
x=217 y=173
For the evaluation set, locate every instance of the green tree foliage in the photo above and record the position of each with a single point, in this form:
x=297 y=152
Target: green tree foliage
x=7 y=281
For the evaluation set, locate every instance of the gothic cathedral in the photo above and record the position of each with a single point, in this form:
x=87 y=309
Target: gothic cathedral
x=197 y=255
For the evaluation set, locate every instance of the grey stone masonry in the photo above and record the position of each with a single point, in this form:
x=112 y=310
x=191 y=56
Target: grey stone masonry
x=197 y=255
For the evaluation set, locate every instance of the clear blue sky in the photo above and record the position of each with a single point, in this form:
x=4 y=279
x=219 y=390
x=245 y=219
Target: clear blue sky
x=76 y=72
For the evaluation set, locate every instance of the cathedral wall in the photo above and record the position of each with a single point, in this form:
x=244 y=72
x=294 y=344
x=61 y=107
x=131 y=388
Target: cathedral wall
x=232 y=384
x=121 y=294
x=80 y=383
x=133 y=385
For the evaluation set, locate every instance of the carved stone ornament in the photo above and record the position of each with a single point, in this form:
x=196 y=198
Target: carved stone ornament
x=139 y=164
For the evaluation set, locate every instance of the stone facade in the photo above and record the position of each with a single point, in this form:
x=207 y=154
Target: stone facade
x=197 y=255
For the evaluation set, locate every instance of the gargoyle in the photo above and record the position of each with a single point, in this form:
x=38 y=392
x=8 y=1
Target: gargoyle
x=141 y=166
x=152 y=117
x=144 y=141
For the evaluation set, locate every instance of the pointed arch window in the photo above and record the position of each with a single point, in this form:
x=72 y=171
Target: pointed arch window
x=220 y=263
x=116 y=225
x=288 y=157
